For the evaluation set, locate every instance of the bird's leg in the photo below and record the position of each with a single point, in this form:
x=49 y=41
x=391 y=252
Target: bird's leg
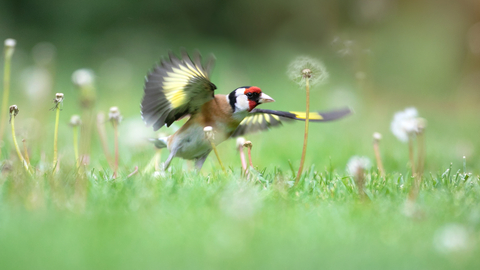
x=199 y=162
x=169 y=159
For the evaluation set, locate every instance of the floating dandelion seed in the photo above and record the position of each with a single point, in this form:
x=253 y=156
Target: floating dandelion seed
x=405 y=124
x=303 y=67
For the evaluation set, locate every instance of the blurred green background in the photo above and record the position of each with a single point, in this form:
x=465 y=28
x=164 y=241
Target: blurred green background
x=382 y=56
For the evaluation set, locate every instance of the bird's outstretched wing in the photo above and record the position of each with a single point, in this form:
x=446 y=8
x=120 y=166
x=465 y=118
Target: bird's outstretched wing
x=259 y=120
x=176 y=87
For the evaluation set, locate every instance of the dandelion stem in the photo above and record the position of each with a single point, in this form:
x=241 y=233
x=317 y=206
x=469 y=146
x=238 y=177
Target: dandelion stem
x=55 y=138
x=250 y=156
x=6 y=93
x=376 y=149
x=242 y=158
x=218 y=156
x=20 y=156
x=103 y=136
x=75 y=145
x=115 y=130
x=27 y=158
x=305 y=139
x=411 y=154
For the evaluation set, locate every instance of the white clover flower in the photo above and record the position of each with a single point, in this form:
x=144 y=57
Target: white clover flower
x=83 y=77
x=452 y=238
x=405 y=123
x=305 y=66
x=357 y=165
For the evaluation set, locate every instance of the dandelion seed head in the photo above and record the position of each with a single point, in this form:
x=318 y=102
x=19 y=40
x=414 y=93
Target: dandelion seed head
x=405 y=123
x=358 y=164
x=377 y=136
x=305 y=67
x=83 y=77
x=75 y=120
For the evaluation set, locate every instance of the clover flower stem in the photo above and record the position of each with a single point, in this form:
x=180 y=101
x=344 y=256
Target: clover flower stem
x=376 y=149
x=115 y=129
x=75 y=145
x=6 y=93
x=411 y=154
x=305 y=139
x=55 y=137
x=27 y=158
x=20 y=156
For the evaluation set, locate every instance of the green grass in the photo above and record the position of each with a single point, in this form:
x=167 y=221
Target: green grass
x=208 y=220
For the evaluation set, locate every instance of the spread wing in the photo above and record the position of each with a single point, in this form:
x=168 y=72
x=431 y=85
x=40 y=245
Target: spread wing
x=259 y=120
x=176 y=87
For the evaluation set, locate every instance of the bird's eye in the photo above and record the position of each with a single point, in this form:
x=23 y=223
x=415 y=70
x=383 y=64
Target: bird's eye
x=249 y=95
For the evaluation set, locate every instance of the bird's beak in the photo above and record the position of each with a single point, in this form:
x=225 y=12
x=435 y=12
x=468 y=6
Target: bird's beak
x=264 y=98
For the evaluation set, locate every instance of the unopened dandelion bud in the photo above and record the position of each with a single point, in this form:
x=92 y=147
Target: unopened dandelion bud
x=114 y=115
x=377 y=136
x=208 y=130
x=307 y=73
x=9 y=47
x=58 y=98
x=248 y=144
x=14 y=110
x=75 y=120
x=240 y=142
x=421 y=125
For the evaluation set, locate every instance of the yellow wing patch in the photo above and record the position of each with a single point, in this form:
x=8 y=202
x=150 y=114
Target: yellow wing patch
x=303 y=115
x=174 y=85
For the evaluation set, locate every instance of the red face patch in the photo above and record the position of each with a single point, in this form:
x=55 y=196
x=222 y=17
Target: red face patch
x=252 y=103
x=253 y=89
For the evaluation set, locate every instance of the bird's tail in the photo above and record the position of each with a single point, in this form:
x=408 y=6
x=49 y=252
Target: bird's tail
x=159 y=142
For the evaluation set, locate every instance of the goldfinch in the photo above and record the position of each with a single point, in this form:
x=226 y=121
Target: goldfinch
x=180 y=87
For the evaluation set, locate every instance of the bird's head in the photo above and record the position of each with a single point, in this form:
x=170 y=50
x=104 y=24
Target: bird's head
x=246 y=98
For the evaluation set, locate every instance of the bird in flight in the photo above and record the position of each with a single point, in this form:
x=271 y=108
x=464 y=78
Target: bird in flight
x=180 y=86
